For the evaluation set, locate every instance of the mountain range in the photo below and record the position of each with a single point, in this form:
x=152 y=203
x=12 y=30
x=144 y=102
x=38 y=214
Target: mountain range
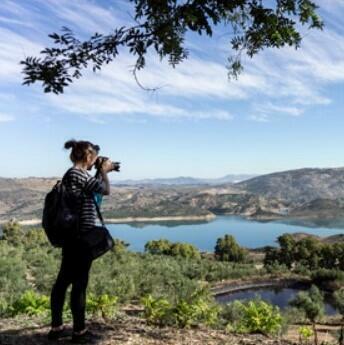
x=182 y=180
x=309 y=193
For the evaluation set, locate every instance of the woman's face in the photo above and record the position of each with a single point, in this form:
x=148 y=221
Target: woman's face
x=91 y=159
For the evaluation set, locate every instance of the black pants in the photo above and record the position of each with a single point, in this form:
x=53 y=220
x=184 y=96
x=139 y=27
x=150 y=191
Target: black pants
x=75 y=267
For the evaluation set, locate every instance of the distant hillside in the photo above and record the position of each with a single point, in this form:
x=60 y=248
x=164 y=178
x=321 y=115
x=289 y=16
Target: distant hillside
x=329 y=239
x=23 y=199
x=186 y=180
x=298 y=186
x=312 y=195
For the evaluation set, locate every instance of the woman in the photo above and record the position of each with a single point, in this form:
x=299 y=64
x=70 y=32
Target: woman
x=76 y=262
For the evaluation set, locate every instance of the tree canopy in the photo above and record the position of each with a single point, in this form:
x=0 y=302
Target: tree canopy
x=162 y=26
x=227 y=249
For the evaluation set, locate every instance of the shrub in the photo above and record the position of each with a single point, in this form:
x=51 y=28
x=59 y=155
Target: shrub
x=305 y=333
x=194 y=312
x=12 y=233
x=254 y=316
x=156 y=310
x=184 y=250
x=12 y=273
x=102 y=305
x=185 y=312
x=120 y=246
x=165 y=247
x=160 y=247
x=328 y=278
x=30 y=303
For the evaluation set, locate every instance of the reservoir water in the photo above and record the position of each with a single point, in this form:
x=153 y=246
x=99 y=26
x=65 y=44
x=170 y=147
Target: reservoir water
x=279 y=296
x=203 y=235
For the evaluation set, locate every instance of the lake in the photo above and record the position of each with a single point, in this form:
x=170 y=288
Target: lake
x=203 y=235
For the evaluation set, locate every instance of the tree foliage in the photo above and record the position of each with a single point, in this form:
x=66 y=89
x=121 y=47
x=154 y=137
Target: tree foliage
x=308 y=252
x=162 y=26
x=12 y=232
x=227 y=249
x=165 y=247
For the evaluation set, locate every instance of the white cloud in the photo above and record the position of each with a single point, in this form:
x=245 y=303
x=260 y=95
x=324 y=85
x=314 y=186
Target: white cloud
x=263 y=112
x=259 y=117
x=6 y=117
x=13 y=49
x=87 y=16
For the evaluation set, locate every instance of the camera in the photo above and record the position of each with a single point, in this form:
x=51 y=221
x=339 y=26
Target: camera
x=101 y=159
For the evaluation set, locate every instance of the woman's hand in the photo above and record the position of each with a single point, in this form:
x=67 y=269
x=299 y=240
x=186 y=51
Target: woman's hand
x=107 y=166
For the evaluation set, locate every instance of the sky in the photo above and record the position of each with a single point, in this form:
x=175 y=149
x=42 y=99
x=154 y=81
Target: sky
x=284 y=112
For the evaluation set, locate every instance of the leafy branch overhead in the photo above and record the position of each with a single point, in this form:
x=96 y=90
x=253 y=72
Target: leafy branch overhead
x=162 y=26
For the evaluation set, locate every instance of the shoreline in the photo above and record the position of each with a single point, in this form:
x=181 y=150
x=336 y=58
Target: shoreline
x=158 y=219
x=232 y=286
x=36 y=221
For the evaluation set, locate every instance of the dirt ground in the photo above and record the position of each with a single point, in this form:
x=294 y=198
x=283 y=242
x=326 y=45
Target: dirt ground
x=133 y=330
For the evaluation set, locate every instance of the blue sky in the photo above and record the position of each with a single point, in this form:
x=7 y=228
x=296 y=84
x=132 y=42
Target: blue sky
x=284 y=112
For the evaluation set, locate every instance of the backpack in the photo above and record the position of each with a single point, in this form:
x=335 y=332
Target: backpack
x=60 y=218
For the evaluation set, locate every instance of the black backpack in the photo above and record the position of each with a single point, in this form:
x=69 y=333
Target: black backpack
x=60 y=219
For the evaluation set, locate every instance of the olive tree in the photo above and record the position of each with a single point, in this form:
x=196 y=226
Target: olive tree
x=339 y=304
x=227 y=249
x=312 y=304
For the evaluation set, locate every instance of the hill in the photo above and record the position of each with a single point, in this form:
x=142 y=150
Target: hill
x=298 y=186
x=186 y=180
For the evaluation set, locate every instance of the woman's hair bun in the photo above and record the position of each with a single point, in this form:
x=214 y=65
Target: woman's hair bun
x=70 y=144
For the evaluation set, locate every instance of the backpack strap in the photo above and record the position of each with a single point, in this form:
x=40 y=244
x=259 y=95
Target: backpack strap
x=98 y=211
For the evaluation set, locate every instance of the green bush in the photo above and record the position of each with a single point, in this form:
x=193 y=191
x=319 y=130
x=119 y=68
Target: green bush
x=165 y=247
x=102 y=305
x=30 y=303
x=305 y=333
x=198 y=310
x=12 y=233
x=156 y=310
x=185 y=250
x=185 y=312
x=160 y=247
x=254 y=316
x=13 y=273
x=120 y=246
x=328 y=278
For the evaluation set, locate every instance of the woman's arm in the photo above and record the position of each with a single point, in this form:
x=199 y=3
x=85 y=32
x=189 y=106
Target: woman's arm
x=105 y=168
x=106 y=182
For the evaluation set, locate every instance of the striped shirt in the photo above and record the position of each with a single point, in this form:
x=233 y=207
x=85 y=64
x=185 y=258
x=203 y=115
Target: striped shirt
x=77 y=180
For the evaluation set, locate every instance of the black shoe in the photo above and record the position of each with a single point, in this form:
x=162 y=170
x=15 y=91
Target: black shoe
x=85 y=338
x=61 y=333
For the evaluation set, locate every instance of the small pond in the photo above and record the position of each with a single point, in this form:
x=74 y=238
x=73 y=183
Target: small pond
x=279 y=296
